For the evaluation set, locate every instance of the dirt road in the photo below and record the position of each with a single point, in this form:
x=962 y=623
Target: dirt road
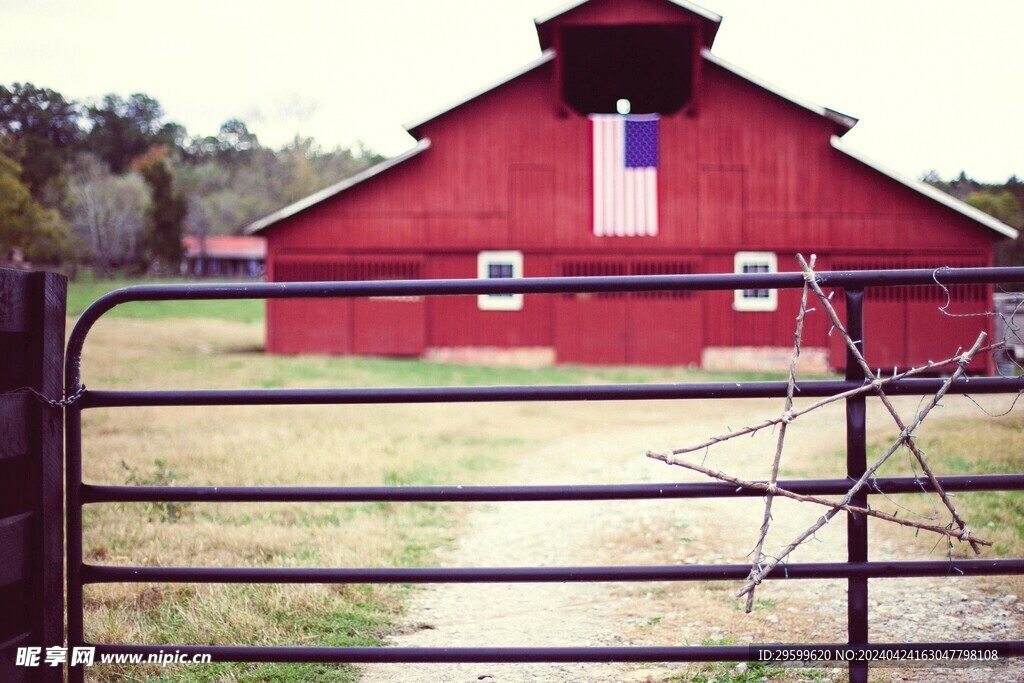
x=667 y=532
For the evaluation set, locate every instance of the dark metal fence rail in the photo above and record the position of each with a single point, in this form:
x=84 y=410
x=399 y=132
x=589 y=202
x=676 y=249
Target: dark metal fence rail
x=857 y=570
x=454 y=494
x=622 y=392
x=695 y=572
x=409 y=655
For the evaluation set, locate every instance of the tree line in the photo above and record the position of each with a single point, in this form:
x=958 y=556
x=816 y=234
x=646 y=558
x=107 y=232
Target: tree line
x=1001 y=200
x=112 y=185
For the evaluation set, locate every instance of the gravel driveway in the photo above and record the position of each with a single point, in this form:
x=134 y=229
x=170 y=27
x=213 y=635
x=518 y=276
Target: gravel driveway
x=665 y=532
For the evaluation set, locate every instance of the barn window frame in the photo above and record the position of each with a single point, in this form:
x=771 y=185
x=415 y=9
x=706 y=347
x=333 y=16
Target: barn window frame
x=755 y=299
x=486 y=264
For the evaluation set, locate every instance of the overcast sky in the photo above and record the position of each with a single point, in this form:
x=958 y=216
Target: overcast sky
x=937 y=84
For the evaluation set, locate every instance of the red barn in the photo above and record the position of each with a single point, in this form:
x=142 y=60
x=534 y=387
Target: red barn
x=628 y=147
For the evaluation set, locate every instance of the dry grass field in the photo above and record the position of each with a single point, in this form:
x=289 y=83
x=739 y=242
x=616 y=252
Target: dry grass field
x=440 y=444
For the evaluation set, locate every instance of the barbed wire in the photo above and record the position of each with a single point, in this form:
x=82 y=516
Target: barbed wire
x=1009 y=321
x=1011 y=331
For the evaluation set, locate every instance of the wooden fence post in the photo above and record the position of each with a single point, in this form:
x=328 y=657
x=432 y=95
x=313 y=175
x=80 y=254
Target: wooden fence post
x=32 y=310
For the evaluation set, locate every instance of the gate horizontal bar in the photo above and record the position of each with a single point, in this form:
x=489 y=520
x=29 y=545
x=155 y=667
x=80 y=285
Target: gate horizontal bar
x=442 y=494
x=600 y=392
x=558 y=285
x=549 y=285
x=440 y=655
x=819 y=570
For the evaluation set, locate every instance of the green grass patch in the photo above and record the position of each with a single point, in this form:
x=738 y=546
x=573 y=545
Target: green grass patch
x=729 y=672
x=87 y=288
x=202 y=364
x=967 y=445
x=375 y=371
x=348 y=617
x=738 y=673
x=749 y=672
x=759 y=604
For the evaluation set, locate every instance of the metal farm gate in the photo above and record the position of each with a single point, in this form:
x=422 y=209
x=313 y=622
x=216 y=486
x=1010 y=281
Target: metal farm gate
x=857 y=570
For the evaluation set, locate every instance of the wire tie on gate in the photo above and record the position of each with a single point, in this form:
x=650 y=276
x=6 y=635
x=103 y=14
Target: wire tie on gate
x=52 y=402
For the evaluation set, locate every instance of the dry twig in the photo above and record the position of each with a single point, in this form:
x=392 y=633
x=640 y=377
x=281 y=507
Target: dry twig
x=787 y=417
x=773 y=490
x=859 y=357
x=956 y=529
x=905 y=436
x=927 y=367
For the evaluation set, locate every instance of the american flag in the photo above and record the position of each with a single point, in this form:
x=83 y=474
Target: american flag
x=625 y=175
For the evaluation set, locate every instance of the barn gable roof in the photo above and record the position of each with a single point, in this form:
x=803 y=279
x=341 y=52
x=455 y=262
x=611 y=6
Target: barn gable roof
x=546 y=56
x=692 y=7
x=328 y=192
x=844 y=121
x=544 y=34
x=927 y=190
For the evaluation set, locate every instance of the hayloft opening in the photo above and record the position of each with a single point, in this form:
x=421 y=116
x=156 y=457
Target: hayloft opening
x=650 y=66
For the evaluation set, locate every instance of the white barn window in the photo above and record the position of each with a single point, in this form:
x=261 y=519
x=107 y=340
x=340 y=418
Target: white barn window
x=495 y=265
x=755 y=299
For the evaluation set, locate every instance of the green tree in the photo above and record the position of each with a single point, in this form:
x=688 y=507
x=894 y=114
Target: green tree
x=235 y=143
x=1003 y=205
x=963 y=186
x=231 y=180
x=25 y=224
x=123 y=130
x=44 y=129
x=161 y=237
x=300 y=176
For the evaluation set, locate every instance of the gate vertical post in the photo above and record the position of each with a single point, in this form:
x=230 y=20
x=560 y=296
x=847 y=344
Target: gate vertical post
x=32 y=314
x=73 y=483
x=73 y=472
x=856 y=465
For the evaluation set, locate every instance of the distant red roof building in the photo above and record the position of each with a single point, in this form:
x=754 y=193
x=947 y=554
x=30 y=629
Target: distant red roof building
x=224 y=256
x=627 y=148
